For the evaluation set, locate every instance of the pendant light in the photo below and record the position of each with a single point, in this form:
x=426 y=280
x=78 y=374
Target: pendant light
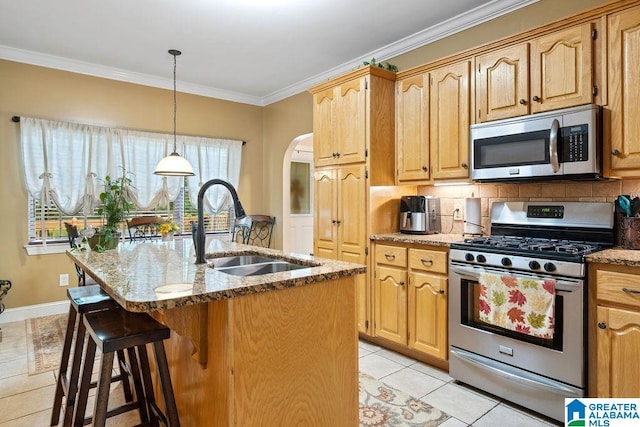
x=174 y=164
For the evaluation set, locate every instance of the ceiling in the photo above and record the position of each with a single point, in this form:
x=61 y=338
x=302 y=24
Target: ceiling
x=250 y=51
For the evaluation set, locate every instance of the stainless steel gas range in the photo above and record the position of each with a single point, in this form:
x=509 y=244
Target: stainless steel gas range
x=517 y=302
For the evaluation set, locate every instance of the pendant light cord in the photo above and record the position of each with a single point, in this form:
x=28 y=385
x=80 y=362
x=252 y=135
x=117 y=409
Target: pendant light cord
x=175 y=102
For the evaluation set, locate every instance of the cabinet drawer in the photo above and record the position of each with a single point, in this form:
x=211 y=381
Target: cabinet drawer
x=621 y=288
x=427 y=260
x=391 y=255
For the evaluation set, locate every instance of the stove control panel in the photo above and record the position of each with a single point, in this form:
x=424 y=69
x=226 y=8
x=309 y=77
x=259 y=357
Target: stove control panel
x=541 y=211
x=506 y=263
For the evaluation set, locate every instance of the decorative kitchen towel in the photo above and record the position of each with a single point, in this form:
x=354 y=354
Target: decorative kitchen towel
x=520 y=304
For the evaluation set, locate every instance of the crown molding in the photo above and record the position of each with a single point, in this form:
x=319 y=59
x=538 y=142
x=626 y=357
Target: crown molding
x=454 y=25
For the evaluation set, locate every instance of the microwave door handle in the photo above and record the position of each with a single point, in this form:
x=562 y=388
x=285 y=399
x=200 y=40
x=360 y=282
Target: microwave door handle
x=553 y=145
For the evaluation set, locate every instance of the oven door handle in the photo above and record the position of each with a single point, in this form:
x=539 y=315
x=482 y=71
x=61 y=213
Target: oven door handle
x=474 y=273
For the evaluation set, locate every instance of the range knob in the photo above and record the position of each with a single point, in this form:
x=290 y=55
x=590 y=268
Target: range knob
x=481 y=258
x=534 y=265
x=468 y=257
x=506 y=262
x=549 y=266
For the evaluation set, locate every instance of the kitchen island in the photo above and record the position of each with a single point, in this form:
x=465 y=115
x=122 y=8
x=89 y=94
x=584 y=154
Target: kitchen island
x=275 y=349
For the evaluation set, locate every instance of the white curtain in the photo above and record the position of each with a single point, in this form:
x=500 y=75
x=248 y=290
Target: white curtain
x=65 y=164
x=212 y=158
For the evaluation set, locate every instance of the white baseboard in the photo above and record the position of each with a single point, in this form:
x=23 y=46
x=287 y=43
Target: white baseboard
x=38 y=310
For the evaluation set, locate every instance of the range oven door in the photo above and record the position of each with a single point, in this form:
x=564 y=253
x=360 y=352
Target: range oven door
x=560 y=358
x=537 y=375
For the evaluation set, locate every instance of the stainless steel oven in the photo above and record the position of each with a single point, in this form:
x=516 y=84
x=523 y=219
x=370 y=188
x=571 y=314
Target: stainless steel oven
x=542 y=241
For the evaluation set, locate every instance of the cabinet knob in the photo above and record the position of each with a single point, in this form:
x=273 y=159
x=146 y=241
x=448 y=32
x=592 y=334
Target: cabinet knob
x=615 y=152
x=602 y=325
x=338 y=221
x=424 y=168
x=630 y=291
x=441 y=291
x=390 y=257
x=536 y=98
x=523 y=102
x=427 y=262
x=401 y=283
x=464 y=165
x=334 y=155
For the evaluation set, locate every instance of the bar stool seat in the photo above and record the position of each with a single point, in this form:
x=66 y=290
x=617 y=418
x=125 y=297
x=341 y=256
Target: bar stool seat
x=117 y=330
x=83 y=299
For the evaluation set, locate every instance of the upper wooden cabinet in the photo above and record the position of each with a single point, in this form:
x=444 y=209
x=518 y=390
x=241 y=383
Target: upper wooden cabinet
x=550 y=72
x=562 y=69
x=353 y=122
x=622 y=156
x=502 y=83
x=412 y=129
x=449 y=120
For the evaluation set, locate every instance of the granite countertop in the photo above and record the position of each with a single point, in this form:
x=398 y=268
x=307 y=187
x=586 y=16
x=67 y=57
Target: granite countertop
x=157 y=275
x=616 y=256
x=421 y=239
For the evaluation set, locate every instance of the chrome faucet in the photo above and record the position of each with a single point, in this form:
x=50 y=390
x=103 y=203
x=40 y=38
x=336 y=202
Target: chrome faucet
x=199 y=240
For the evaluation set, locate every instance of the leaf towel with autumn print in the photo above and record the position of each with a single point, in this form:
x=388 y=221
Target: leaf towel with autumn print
x=520 y=304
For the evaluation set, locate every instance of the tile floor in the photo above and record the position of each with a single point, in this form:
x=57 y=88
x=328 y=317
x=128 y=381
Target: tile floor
x=26 y=400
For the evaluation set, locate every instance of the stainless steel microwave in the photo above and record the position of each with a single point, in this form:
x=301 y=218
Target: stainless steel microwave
x=561 y=144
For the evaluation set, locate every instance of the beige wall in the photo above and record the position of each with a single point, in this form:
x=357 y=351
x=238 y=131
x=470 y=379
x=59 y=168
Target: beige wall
x=41 y=92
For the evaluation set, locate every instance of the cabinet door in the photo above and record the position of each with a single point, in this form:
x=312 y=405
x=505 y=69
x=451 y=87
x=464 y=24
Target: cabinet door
x=624 y=86
x=449 y=127
x=562 y=69
x=618 y=343
x=325 y=214
x=412 y=129
x=351 y=216
x=390 y=314
x=351 y=125
x=502 y=83
x=324 y=110
x=428 y=314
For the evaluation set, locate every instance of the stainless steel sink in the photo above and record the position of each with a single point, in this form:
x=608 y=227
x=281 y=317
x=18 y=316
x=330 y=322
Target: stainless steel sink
x=236 y=260
x=252 y=265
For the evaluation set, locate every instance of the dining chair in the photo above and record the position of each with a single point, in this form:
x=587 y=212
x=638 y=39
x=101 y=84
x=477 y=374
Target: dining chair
x=73 y=235
x=254 y=230
x=144 y=227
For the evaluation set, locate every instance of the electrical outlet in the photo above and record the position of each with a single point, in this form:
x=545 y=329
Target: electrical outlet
x=458 y=211
x=63 y=280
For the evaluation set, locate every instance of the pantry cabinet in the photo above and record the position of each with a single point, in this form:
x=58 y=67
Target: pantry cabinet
x=449 y=120
x=622 y=155
x=410 y=297
x=549 y=72
x=614 y=331
x=354 y=151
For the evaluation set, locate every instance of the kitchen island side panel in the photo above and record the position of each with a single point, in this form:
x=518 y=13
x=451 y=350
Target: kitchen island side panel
x=283 y=358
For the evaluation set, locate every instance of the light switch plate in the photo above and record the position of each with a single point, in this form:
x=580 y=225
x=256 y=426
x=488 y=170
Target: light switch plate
x=63 y=280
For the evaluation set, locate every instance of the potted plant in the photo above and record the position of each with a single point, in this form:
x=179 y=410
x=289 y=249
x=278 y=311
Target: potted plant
x=167 y=229
x=114 y=209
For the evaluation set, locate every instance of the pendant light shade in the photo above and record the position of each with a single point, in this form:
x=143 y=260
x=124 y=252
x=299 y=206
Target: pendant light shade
x=174 y=164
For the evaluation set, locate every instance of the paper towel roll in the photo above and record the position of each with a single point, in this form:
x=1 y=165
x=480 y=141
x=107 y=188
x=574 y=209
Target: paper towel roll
x=473 y=217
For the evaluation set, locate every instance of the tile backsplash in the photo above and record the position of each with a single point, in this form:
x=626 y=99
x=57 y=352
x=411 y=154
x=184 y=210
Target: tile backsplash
x=594 y=191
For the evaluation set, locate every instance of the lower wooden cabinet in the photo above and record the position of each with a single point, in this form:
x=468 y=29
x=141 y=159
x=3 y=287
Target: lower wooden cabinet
x=410 y=297
x=614 y=331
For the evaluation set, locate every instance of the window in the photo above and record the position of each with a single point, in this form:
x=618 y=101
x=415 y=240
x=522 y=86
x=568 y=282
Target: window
x=64 y=164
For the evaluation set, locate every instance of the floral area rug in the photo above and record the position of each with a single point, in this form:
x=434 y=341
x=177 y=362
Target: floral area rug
x=381 y=405
x=45 y=338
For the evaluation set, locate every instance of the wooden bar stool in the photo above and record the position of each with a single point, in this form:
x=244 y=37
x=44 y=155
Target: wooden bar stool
x=84 y=299
x=117 y=330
